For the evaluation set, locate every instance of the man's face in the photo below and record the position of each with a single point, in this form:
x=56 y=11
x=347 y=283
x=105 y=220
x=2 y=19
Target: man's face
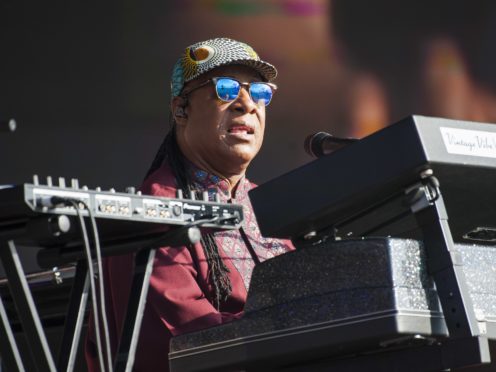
x=225 y=136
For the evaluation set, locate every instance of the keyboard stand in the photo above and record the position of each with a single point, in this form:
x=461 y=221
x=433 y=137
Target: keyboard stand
x=40 y=355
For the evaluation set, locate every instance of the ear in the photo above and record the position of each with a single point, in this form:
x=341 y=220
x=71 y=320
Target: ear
x=178 y=110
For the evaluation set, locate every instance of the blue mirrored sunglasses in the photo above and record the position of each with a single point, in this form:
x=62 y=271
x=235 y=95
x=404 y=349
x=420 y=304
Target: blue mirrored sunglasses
x=228 y=90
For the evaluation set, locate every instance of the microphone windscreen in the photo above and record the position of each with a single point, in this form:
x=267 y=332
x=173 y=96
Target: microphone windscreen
x=321 y=143
x=313 y=143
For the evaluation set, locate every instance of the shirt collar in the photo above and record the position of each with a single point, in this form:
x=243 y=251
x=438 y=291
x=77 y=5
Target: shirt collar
x=212 y=183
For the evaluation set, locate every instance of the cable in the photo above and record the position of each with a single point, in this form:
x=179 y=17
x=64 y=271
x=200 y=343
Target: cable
x=98 y=254
x=76 y=204
x=101 y=299
x=92 y=280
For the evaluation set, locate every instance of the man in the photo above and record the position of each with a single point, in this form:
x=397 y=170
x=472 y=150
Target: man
x=220 y=90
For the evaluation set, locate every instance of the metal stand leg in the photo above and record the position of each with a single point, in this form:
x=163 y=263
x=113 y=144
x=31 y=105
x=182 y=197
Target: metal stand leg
x=11 y=359
x=30 y=320
x=75 y=318
x=445 y=266
x=124 y=359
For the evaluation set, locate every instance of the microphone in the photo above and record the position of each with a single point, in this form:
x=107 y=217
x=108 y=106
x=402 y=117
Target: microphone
x=321 y=143
x=8 y=125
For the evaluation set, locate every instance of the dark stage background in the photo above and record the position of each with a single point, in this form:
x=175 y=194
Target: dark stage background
x=88 y=82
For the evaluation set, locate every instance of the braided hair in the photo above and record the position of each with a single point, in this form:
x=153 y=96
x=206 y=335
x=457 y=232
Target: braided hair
x=170 y=152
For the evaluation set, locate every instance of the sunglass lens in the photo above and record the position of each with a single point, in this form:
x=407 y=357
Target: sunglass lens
x=261 y=93
x=227 y=89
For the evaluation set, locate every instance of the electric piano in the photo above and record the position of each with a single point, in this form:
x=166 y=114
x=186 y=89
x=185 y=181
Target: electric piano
x=395 y=266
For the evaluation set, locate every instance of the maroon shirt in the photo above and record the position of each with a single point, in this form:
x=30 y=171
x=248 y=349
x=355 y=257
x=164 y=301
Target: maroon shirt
x=179 y=293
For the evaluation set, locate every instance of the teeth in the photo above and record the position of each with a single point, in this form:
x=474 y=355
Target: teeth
x=238 y=131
